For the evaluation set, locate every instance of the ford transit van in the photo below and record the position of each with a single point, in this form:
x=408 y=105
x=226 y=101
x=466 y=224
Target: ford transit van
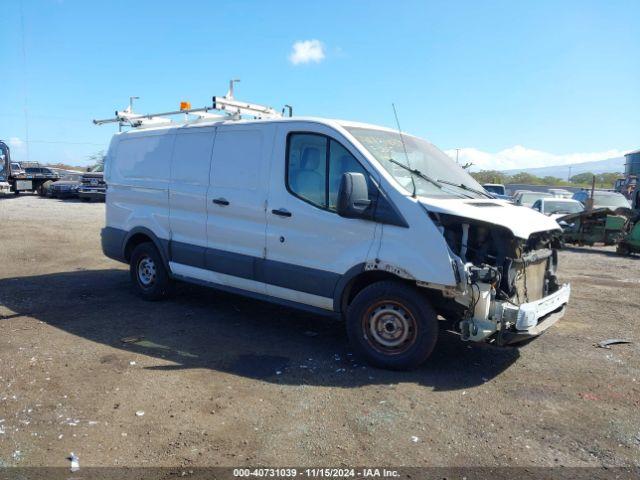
x=353 y=220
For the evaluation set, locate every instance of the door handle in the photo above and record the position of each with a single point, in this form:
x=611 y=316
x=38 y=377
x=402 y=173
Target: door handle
x=221 y=201
x=281 y=212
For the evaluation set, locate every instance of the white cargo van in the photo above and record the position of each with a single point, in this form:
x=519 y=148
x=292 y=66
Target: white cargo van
x=336 y=217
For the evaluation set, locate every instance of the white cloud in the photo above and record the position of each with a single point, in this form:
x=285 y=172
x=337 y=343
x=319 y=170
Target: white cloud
x=15 y=142
x=307 y=51
x=523 y=157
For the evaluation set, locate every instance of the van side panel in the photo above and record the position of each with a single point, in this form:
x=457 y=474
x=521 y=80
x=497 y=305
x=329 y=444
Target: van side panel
x=189 y=184
x=138 y=179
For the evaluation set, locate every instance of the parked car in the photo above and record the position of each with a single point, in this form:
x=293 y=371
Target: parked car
x=92 y=186
x=560 y=193
x=557 y=207
x=527 y=199
x=326 y=216
x=603 y=199
x=66 y=187
x=497 y=190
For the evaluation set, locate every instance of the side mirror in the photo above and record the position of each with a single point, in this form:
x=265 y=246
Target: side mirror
x=353 y=195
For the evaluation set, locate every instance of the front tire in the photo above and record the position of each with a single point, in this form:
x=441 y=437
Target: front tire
x=149 y=276
x=392 y=325
x=44 y=188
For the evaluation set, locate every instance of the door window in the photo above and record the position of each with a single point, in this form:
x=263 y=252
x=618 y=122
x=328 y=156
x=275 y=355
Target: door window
x=315 y=164
x=307 y=167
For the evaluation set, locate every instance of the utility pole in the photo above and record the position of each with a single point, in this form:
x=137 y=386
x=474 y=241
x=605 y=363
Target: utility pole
x=24 y=84
x=457 y=153
x=569 y=176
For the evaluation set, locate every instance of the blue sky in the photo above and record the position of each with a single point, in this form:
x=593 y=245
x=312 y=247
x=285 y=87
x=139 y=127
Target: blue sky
x=510 y=83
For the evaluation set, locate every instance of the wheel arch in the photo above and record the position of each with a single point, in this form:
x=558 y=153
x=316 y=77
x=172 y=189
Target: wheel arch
x=139 y=235
x=358 y=278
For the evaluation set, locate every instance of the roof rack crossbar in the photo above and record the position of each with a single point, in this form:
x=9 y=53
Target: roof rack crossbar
x=234 y=110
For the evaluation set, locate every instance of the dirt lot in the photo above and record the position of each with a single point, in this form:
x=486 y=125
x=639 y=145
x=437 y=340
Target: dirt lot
x=223 y=380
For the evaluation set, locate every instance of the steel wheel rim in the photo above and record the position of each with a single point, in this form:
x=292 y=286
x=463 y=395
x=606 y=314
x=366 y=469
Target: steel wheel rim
x=146 y=272
x=389 y=327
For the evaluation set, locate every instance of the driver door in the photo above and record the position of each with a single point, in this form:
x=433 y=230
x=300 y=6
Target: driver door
x=309 y=246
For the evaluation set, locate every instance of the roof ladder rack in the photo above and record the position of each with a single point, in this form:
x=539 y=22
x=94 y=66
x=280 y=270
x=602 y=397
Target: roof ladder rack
x=233 y=110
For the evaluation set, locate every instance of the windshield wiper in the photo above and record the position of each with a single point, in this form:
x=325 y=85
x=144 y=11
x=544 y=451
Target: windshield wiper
x=417 y=172
x=464 y=187
x=437 y=182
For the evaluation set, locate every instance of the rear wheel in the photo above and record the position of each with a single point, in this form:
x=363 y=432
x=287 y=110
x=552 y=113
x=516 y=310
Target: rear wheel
x=392 y=325
x=148 y=274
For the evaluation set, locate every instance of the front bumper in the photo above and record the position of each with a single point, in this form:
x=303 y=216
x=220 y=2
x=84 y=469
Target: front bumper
x=64 y=193
x=93 y=193
x=533 y=318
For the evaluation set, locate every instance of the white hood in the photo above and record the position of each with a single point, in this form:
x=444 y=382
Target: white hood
x=522 y=221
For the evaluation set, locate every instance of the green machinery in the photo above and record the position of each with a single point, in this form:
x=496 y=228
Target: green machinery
x=631 y=242
x=600 y=225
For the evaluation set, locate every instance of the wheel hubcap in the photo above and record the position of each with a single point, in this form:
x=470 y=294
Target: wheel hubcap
x=146 y=271
x=389 y=327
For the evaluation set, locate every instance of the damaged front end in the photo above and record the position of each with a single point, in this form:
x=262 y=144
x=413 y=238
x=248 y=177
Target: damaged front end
x=507 y=288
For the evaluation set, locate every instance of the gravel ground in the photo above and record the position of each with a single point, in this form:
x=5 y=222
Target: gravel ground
x=214 y=379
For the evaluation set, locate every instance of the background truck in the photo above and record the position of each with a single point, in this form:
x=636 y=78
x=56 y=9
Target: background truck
x=16 y=178
x=92 y=185
x=629 y=185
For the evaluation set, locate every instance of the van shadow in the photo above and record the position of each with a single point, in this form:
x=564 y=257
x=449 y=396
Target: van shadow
x=204 y=328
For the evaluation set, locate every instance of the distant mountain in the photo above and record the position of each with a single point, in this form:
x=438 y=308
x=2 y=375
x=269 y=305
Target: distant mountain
x=609 y=165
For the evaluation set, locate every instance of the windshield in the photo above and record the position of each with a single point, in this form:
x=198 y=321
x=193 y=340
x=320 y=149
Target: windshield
x=530 y=197
x=97 y=168
x=420 y=155
x=615 y=201
x=553 y=206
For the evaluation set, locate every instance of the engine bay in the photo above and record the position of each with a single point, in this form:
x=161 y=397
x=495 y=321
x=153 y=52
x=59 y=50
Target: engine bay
x=501 y=272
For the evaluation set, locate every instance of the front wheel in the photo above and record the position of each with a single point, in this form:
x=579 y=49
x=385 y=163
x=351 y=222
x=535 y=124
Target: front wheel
x=148 y=274
x=392 y=325
x=44 y=188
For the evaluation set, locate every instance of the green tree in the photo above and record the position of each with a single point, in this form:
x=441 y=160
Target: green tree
x=582 y=178
x=490 y=176
x=607 y=179
x=527 y=178
x=554 y=181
